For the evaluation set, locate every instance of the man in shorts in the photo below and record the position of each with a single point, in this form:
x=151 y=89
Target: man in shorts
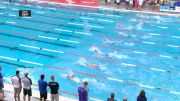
x=42 y=88
x=16 y=81
x=54 y=86
x=27 y=82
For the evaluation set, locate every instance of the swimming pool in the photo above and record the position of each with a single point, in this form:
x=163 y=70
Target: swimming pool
x=143 y=49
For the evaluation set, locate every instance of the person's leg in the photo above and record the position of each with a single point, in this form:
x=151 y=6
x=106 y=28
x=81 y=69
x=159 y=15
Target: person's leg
x=24 y=97
x=29 y=94
x=29 y=98
x=19 y=92
x=40 y=97
x=57 y=97
x=15 y=94
x=52 y=97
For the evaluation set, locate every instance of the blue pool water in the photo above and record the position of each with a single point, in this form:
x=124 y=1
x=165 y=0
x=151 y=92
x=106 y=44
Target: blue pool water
x=146 y=53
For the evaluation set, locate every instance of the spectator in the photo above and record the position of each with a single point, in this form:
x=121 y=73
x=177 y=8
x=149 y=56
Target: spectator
x=112 y=97
x=42 y=88
x=124 y=99
x=142 y=96
x=27 y=82
x=16 y=81
x=83 y=93
x=1 y=84
x=140 y=4
x=54 y=86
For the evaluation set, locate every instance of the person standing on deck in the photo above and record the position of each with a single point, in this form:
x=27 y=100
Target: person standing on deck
x=16 y=81
x=83 y=93
x=54 y=86
x=1 y=84
x=27 y=82
x=42 y=88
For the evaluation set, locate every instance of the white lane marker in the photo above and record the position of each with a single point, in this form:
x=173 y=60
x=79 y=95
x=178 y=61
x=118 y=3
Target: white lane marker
x=48 y=37
x=8 y=58
x=29 y=46
x=11 y=15
x=95 y=26
x=46 y=49
x=145 y=86
x=148 y=42
x=16 y=4
x=105 y=20
x=68 y=41
x=14 y=9
x=164 y=56
x=25 y=61
x=75 y=24
x=83 y=33
x=87 y=18
x=40 y=12
x=51 y=8
x=156 y=69
x=138 y=52
x=3 y=7
x=63 y=30
x=28 y=5
x=96 y=14
x=173 y=46
x=39 y=6
x=162 y=27
x=5 y=2
x=10 y=22
x=114 y=79
x=52 y=50
x=94 y=99
x=176 y=37
x=30 y=62
x=51 y=38
x=126 y=64
x=177 y=93
x=84 y=25
x=154 y=34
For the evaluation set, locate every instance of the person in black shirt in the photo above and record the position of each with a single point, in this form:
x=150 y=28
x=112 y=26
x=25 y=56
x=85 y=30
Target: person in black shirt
x=142 y=96
x=54 y=86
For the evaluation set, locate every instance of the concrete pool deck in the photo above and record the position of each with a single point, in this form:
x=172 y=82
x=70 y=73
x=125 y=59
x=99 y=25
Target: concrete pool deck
x=113 y=6
x=9 y=91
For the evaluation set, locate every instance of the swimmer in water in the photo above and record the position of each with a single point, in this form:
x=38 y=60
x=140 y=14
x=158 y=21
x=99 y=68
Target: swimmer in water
x=73 y=78
x=101 y=53
x=106 y=40
x=85 y=63
x=124 y=34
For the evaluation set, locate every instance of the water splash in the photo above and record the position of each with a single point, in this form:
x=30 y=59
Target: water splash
x=119 y=56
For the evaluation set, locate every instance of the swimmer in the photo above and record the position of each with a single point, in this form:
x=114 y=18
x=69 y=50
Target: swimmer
x=91 y=65
x=101 y=53
x=73 y=78
x=124 y=34
x=106 y=40
x=119 y=26
x=83 y=62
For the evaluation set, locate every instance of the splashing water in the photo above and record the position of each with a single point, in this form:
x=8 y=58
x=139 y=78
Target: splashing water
x=119 y=56
x=93 y=48
x=82 y=62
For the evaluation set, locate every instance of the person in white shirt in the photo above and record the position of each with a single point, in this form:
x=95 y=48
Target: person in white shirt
x=16 y=81
x=27 y=82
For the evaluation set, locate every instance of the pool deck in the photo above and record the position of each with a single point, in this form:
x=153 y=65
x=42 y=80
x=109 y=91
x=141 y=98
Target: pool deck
x=9 y=91
x=121 y=8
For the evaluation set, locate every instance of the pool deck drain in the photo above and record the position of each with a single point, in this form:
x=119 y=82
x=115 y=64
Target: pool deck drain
x=9 y=91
